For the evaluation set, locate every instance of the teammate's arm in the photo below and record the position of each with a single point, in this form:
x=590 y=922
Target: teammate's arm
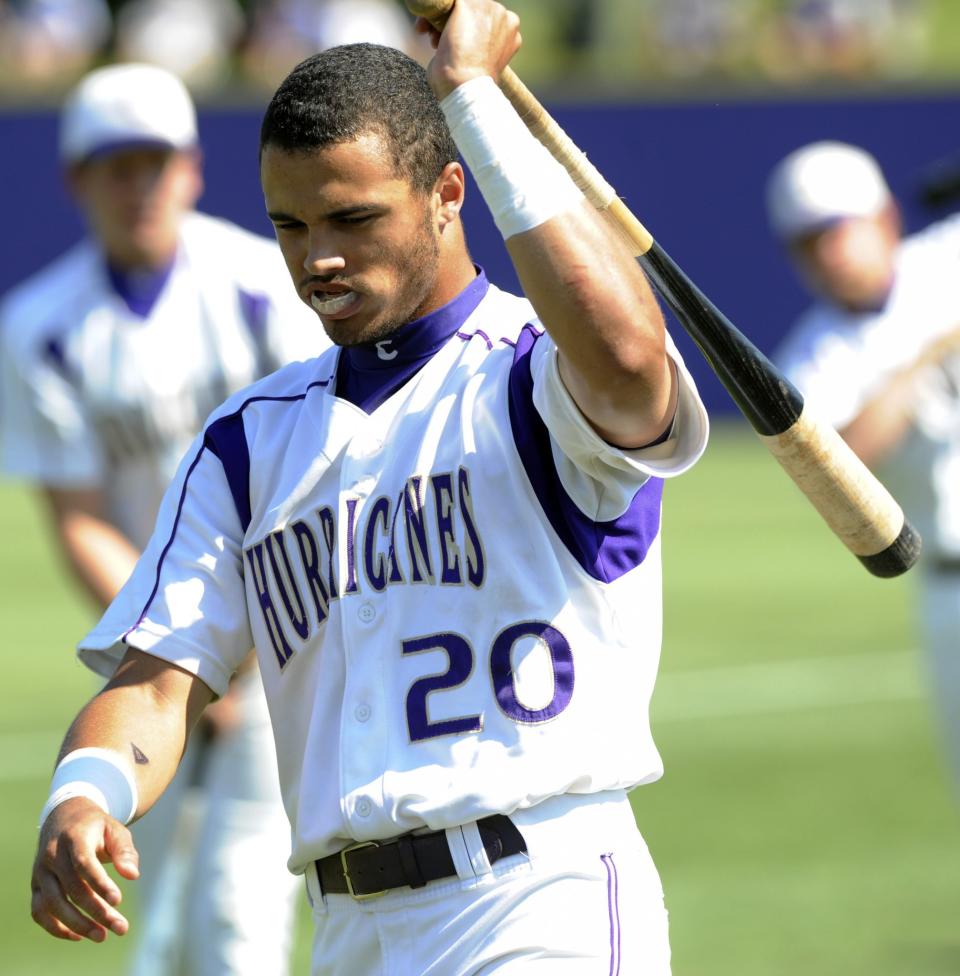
x=588 y=291
x=102 y=559
x=886 y=418
x=99 y=554
x=144 y=714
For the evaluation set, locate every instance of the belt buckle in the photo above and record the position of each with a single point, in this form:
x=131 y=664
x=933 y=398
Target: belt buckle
x=346 y=871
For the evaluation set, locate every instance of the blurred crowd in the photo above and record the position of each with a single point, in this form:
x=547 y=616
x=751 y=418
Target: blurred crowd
x=47 y=44
x=218 y=44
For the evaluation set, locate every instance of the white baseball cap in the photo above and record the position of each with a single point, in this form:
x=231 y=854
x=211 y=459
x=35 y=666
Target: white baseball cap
x=821 y=183
x=126 y=105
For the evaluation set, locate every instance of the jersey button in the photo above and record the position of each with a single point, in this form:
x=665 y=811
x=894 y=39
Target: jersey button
x=362 y=712
x=367 y=613
x=364 y=806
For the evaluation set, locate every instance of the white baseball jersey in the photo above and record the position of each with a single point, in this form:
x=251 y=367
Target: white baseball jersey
x=838 y=360
x=452 y=582
x=107 y=378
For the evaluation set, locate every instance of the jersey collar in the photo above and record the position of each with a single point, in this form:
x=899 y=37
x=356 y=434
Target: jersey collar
x=370 y=373
x=139 y=289
x=420 y=339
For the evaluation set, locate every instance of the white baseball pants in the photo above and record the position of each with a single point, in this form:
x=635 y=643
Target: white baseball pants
x=586 y=899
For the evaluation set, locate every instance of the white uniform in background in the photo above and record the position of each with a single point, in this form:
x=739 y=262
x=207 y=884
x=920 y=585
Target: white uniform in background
x=839 y=360
x=105 y=382
x=454 y=588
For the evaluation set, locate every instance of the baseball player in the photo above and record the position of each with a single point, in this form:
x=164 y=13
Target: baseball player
x=442 y=537
x=112 y=358
x=879 y=353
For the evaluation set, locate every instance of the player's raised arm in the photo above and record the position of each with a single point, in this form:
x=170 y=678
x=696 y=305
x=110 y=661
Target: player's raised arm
x=119 y=755
x=586 y=288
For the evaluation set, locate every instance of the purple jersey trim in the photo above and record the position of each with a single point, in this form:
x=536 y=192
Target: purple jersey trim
x=370 y=374
x=139 y=289
x=56 y=356
x=227 y=440
x=166 y=548
x=605 y=550
x=228 y=444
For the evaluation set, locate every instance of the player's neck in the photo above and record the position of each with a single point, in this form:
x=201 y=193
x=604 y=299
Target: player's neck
x=456 y=272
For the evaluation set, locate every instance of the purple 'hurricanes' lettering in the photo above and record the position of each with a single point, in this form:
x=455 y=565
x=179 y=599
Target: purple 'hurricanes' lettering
x=278 y=639
x=415 y=519
x=473 y=547
x=352 y=585
x=310 y=560
x=286 y=583
x=449 y=553
x=374 y=561
x=328 y=524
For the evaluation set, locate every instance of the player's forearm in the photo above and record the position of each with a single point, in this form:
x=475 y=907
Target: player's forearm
x=586 y=287
x=144 y=714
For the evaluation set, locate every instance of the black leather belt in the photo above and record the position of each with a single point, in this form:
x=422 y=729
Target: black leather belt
x=371 y=868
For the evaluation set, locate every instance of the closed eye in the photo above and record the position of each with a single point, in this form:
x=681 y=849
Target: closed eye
x=282 y=222
x=355 y=220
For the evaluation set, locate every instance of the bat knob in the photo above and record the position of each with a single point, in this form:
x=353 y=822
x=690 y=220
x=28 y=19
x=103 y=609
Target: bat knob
x=898 y=557
x=436 y=11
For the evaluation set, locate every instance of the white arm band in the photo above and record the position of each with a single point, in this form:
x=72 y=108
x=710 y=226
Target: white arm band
x=101 y=775
x=523 y=185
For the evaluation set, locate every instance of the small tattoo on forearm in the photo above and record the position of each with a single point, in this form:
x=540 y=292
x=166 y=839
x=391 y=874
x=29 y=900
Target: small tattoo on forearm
x=138 y=757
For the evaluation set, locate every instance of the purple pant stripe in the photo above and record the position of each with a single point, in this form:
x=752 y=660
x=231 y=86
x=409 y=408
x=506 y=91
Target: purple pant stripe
x=613 y=910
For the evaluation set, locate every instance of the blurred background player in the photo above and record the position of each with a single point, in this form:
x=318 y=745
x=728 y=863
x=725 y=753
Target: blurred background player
x=879 y=357
x=112 y=358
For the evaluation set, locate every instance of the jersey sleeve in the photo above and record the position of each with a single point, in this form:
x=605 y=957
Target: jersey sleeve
x=601 y=478
x=185 y=600
x=45 y=433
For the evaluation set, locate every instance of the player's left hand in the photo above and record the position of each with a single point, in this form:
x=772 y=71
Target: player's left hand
x=73 y=896
x=479 y=38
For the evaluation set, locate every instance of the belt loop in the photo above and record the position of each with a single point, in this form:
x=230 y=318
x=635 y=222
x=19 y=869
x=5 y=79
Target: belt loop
x=476 y=850
x=461 y=853
x=315 y=895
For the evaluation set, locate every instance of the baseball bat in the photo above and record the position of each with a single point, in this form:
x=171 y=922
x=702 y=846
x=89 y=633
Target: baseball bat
x=850 y=499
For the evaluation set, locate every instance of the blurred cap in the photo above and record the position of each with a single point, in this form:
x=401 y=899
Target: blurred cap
x=126 y=105
x=821 y=183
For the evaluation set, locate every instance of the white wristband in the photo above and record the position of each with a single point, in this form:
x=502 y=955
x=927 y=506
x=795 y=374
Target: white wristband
x=523 y=185
x=101 y=775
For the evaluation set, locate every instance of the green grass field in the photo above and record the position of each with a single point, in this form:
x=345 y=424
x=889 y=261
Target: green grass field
x=805 y=824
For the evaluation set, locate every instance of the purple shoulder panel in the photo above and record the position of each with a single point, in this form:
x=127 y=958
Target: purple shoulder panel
x=227 y=440
x=605 y=550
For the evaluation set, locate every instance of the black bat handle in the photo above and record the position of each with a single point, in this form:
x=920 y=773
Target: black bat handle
x=849 y=498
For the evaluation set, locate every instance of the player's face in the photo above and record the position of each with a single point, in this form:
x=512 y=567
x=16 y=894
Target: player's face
x=851 y=262
x=361 y=243
x=134 y=200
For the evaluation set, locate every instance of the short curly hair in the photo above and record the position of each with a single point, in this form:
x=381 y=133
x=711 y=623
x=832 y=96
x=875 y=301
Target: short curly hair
x=339 y=94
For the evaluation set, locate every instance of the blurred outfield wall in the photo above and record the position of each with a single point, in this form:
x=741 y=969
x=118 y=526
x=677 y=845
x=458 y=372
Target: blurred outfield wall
x=692 y=171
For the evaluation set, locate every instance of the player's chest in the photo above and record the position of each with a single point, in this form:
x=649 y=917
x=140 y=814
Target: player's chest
x=146 y=383
x=412 y=494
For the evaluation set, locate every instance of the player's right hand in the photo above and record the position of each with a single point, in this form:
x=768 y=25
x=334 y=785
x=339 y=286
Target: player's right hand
x=480 y=38
x=73 y=896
